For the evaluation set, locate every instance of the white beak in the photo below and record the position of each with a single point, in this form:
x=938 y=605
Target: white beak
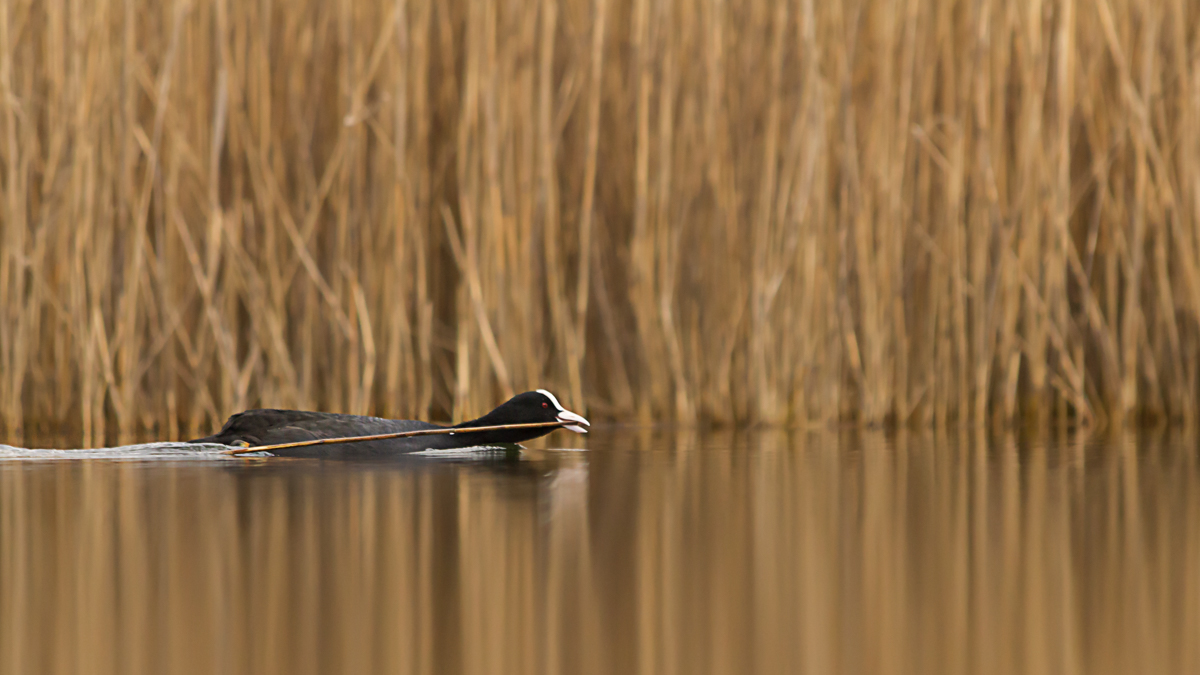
x=568 y=416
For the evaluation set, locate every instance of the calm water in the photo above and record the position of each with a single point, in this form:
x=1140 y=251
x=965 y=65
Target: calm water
x=647 y=553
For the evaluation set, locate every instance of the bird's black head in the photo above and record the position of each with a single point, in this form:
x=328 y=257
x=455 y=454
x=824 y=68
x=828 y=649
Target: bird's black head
x=537 y=406
x=529 y=407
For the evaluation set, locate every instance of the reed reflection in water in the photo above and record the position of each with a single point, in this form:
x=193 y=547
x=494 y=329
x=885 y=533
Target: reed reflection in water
x=650 y=553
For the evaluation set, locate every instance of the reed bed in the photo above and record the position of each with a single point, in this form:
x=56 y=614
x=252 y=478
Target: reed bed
x=908 y=213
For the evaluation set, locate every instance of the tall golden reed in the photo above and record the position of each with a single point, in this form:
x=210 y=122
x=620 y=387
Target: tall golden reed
x=888 y=212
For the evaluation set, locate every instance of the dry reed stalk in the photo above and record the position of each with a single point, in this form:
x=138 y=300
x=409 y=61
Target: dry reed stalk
x=800 y=214
x=381 y=437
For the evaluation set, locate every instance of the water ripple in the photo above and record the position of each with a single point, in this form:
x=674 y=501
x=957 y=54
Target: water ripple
x=142 y=451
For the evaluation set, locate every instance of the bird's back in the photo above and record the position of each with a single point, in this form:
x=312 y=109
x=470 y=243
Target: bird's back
x=272 y=426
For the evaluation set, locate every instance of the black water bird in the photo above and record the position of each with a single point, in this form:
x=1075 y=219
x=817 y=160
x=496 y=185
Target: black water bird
x=270 y=427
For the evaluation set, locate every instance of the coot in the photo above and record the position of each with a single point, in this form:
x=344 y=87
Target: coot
x=269 y=427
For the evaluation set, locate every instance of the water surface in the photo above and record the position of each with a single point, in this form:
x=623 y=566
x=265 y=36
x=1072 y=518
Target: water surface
x=650 y=552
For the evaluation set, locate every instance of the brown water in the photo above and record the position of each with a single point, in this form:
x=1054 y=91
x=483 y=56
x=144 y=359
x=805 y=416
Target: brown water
x=648 y=553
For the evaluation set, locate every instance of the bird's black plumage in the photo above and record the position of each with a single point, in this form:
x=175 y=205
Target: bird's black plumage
x=271 y=426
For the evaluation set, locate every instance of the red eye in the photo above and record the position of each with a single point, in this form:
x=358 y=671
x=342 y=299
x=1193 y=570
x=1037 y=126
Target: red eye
x=545 y=405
